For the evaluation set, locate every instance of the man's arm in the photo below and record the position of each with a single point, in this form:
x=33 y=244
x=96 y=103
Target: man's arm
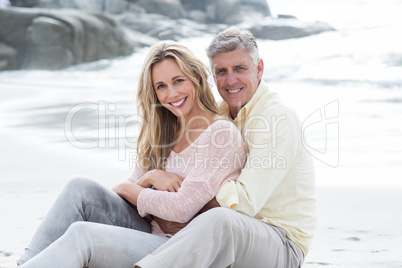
x=273 y=147
x=171 y=227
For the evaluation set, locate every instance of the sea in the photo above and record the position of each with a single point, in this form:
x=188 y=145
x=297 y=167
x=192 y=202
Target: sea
x=345 y=85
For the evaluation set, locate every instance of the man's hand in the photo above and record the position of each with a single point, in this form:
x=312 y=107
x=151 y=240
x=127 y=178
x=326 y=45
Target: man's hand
x=211 y=204
x=169 y=227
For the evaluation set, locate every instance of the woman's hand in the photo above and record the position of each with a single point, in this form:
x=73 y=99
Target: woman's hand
x=161 y=180
x=128 y=190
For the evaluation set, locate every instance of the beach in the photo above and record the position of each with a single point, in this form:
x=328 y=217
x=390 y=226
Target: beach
x=358 y=226
x=345 y=85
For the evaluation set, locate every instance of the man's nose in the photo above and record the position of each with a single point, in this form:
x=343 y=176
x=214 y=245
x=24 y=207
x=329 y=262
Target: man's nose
x=231 y=79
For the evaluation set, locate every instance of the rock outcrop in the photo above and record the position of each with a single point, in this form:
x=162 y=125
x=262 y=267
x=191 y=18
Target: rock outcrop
x=53 y=34
x=54 y=39
x=284 y=28
x=164 y=28
x=222 y=11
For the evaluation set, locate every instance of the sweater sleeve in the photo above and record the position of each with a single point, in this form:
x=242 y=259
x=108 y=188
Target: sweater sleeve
x=219 y=157
x=137 y=173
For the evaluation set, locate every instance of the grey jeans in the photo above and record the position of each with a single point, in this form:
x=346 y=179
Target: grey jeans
x=221 y=238
x=90 y=225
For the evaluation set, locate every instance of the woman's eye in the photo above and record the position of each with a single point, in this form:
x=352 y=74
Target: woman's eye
x=160 y=86
x=179 y=81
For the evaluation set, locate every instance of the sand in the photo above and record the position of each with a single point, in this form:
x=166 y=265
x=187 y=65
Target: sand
x=358 y=226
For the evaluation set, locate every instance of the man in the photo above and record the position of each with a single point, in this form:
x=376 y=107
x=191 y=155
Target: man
x=267 y=217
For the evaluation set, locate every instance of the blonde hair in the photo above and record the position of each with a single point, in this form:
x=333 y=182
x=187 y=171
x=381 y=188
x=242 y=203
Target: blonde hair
x=159 y=125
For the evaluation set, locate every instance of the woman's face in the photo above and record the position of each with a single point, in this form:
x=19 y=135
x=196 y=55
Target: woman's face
x=174 y=90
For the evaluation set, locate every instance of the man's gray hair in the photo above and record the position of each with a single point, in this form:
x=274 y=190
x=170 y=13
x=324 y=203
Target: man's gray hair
x=231 y=39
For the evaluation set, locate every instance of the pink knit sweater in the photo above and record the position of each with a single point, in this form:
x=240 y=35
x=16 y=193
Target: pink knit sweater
x=216 y=156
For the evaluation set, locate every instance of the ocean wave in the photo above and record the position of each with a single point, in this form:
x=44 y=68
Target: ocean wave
x=393 y=59
x=337 y=82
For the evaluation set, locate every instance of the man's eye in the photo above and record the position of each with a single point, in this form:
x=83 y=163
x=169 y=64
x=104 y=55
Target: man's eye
x=220 y=71
x=238 y=68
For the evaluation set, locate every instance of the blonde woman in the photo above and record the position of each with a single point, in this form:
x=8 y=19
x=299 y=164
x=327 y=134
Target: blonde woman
x=186 y=152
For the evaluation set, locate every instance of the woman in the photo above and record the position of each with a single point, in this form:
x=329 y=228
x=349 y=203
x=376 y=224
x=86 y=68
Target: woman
x=186 y=152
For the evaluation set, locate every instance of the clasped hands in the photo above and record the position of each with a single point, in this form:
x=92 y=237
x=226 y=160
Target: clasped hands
x=159 y=180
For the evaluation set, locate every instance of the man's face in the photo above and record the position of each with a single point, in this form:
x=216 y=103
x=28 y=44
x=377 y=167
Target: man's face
x=236 y=77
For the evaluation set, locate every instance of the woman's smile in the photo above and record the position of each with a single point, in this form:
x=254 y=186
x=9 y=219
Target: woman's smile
x=179 y=104
x=175 y=91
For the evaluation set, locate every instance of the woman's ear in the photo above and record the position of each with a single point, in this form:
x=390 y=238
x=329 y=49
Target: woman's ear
x=198 y=77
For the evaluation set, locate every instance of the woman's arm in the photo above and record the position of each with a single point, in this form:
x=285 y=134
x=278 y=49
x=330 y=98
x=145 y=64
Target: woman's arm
x=159 y=179
x=171 y=227
x=219 y=157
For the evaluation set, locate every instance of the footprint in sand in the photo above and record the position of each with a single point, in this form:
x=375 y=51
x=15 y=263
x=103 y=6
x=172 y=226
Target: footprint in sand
x=353 y=238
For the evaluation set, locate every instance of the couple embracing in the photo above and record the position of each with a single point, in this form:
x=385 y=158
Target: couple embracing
x=224 y=205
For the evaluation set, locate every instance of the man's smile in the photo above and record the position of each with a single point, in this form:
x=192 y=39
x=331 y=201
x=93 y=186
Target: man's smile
x=234 y=90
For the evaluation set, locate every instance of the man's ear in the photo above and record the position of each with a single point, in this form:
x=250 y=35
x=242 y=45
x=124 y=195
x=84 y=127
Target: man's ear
x=260 y=69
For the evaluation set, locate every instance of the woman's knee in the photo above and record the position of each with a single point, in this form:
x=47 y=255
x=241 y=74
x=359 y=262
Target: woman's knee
x=77 y=183
x=81 y=187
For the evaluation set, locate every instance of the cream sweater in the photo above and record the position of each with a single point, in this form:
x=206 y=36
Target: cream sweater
x=277 y=183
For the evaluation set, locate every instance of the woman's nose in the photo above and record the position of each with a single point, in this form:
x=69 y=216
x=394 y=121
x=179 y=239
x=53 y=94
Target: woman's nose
x=172 y=92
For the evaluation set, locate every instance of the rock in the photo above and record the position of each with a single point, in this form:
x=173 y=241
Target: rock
x=228 y=11
x=8 y=57
x=224 y=11
x=278 y=29
x=143 y=23
x=25 y=3
x=170 y=8
x=194 y=4
x=198 y=16
x=256 y=5
x=286 y=16
x=50 y=45
x=108 y=6
x=54 y=39
x=164 y=28
x=14 y=23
